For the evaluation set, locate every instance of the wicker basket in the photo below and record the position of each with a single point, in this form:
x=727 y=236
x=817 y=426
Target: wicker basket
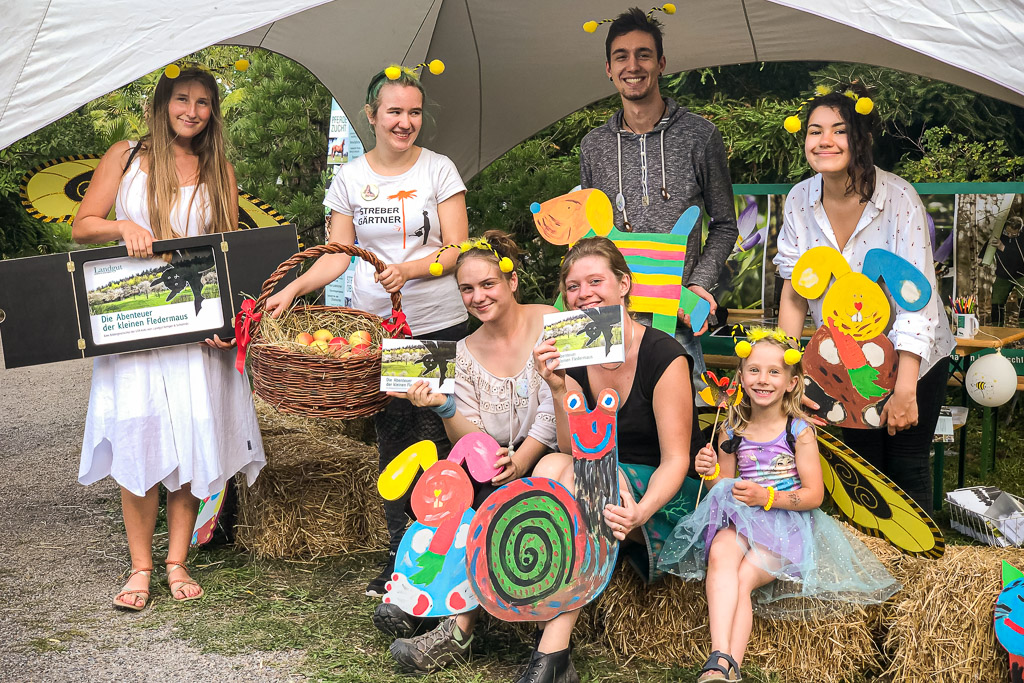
x=314 y=385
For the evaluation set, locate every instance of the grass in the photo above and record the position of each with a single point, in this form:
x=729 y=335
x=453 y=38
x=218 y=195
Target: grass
x=55 y=642
x=318 y=607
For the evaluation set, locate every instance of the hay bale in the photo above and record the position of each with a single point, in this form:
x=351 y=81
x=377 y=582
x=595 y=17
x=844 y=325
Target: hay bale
x=317 y=495
x=940 y=626
x=668 y=622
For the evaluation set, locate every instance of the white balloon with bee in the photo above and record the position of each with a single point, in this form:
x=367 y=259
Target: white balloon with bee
x=991 y=380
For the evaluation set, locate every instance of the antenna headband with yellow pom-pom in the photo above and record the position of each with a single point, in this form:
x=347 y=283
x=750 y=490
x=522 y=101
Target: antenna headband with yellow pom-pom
x=434 y=66
x=758 y=333
x=667 y=8
x=173 y=70
x=864 y=106
x=505 y=264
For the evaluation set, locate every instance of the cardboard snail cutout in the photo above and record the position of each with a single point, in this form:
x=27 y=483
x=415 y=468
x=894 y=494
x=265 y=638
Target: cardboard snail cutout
x=430 y=569
x=656 y=259
x=850 y=362
x=535 y=550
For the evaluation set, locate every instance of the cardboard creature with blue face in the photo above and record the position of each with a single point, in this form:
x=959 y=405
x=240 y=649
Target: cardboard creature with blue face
x=430 y=569
x=850 y=363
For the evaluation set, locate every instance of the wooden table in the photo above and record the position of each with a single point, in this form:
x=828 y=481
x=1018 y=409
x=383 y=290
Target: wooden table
x=987 y=338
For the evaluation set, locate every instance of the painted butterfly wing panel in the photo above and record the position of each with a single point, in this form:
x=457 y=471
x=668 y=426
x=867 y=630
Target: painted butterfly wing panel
x=870 y=501
x=253 y=212
x=53 y=191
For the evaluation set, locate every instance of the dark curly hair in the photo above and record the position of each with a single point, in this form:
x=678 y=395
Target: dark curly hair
x=631 y=20
x=859 y=134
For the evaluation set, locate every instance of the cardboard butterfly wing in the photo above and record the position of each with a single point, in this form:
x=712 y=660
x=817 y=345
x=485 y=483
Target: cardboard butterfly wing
x=870 y=501
x=53 y=191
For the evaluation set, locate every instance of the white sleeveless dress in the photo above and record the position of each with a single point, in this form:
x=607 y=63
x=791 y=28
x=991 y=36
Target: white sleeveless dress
x=178 y=415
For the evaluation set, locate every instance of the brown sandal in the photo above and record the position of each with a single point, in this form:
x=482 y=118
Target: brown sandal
x=118 y=603
x=177 y=586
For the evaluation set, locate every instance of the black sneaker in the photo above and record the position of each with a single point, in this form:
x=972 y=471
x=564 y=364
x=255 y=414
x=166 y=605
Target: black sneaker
x=550 y=668
x=432 y=651
x=392 y=621
x=378 y=586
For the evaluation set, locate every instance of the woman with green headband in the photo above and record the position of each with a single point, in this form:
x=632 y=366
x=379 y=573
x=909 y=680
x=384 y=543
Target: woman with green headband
x=403 y=203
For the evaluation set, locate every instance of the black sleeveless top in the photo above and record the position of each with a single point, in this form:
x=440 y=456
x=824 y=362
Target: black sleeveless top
x=637 y=428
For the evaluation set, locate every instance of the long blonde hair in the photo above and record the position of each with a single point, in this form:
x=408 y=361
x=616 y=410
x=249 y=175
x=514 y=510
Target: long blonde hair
x=792 y=401
x=162 y=189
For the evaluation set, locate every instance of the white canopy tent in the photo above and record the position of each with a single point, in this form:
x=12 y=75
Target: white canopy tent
x=513 y=67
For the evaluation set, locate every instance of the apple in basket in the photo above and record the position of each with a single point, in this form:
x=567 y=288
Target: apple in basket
x=323 y=335
x=304 y=338
x=360 y=341
x=321 y=346
x=338 y=345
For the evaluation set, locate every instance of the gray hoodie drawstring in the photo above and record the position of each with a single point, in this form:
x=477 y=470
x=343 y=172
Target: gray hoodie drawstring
x=643 y=174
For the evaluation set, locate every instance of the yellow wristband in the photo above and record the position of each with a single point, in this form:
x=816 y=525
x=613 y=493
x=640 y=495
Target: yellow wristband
x=771 y=498
x=713 y=475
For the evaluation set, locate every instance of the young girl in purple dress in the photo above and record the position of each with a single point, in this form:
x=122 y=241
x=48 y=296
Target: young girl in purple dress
x=758 y=534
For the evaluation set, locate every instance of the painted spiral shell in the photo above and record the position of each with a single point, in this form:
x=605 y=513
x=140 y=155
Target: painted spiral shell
x=530 y=531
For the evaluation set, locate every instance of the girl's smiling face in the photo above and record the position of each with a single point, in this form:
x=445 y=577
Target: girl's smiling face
x=399 y=117
x=189 y=109
x=591 y=282
x=827 y=146
x=765 y=377
x=486 y=293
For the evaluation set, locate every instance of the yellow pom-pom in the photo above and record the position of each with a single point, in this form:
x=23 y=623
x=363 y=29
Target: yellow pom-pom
x=792 y=356
x=668 y=8
x=465 y=246
x=792 y=124
x=590 y=26
x=864 y=105
x=743 y=349
x=436 y=67
x=505 y=264
x=392 y=72
x=436 y=269
x=822 y=90
x=242 y=65
x=172 y=71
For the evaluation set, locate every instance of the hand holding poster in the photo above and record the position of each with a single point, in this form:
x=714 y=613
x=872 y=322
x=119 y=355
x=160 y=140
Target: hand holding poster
x=407 y=361
x=587 y=336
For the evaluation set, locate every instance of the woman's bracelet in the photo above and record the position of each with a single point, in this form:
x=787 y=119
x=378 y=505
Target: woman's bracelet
x=771 y=498
x=446 y=409
x=713 y=475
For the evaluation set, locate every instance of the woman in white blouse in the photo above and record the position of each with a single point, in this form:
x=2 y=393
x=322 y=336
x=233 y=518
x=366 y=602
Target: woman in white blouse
x=853 y=206
x=497 y=391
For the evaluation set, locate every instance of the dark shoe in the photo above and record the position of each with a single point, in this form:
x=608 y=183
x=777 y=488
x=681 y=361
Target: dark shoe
x=550 y=668
x=377 y=587
x=392 y=621
x=432 y=651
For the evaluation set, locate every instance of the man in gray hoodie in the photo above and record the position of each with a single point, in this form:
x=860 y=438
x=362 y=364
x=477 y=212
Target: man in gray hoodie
x=654 y=159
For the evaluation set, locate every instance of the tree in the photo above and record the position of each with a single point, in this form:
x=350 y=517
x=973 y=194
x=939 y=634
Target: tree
x=277 y=125
x=20 y=234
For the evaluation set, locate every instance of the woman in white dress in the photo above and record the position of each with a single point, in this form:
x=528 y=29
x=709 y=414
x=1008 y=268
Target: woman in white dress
x=181 y=416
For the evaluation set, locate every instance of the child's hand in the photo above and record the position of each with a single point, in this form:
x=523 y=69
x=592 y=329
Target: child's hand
x=749 y=493
x=510 y=471
x=705 y=461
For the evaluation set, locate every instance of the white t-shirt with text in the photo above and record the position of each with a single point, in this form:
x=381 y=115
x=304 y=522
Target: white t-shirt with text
x=395 y=217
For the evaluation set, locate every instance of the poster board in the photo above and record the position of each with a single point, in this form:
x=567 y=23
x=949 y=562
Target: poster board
x=95 y=302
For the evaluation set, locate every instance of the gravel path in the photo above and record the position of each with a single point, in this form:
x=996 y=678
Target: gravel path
x=62 y=551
